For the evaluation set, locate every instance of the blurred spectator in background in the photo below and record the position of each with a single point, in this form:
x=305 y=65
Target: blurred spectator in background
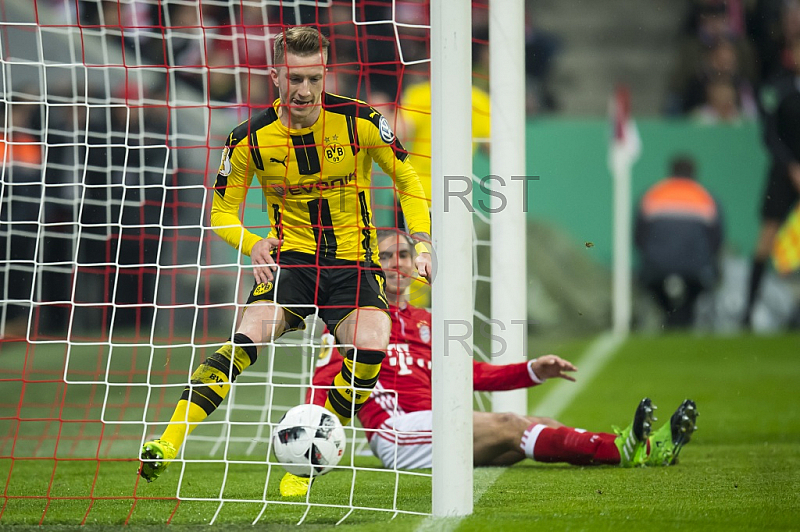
x=764 y=20
x=21 y=152
x=722 y=105
x=541 y=49
x=780 y=105
x=712 y=22
x=678 y=234
x=414 y=116
x=124 y=22
x=125 y=206
x=63 y=172
x=38 y=226
x=790 y=29
x=192 y=46
x=234 y=41
x=734 y=11
x=414 y=121
x=720 y=66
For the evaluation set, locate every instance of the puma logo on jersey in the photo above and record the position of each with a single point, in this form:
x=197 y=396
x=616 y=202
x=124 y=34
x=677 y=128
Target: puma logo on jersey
x=283 y=162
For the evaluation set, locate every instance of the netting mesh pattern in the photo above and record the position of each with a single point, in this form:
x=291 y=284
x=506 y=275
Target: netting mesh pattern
x=114 y=286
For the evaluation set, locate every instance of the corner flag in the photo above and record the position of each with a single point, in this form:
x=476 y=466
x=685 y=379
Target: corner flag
x=626 y=145
x=624 y=150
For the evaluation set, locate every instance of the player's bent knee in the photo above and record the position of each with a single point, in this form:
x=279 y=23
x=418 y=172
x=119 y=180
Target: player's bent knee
x=264 y=321
x=367 y=329
x=371 y=341
x=512 y=420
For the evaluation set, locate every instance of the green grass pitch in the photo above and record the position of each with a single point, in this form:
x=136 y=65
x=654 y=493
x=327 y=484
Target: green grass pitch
x=740 y=472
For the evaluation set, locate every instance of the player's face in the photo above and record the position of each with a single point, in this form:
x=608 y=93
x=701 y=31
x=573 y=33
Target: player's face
x=300 y=83
x=397 y=261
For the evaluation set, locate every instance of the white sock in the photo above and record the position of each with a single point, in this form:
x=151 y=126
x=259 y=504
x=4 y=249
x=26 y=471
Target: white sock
x=529 y=438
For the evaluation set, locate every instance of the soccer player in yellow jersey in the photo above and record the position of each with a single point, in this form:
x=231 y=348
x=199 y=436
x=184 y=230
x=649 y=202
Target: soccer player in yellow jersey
x=415 y=119
x=414 y=122
x=312 y=154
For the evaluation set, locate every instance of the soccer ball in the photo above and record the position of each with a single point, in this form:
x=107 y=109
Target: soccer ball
x=309 y=441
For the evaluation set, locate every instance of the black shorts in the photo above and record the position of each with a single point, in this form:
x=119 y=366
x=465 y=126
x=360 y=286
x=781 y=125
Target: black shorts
x=337 y=287
x=779 y=196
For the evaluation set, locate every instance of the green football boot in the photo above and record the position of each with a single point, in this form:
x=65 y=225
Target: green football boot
x=632 y=441
x=666 y=443
x=156 y=455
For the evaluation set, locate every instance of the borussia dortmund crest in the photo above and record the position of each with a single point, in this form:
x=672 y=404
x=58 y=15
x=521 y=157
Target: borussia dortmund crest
x=334 y=153
x=262 y=288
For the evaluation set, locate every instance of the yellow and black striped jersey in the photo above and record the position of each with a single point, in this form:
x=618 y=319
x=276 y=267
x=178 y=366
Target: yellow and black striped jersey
x=416 y=114
x=316 y=180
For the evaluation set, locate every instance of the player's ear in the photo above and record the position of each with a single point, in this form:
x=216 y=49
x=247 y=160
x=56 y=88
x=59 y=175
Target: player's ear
x=273 y=73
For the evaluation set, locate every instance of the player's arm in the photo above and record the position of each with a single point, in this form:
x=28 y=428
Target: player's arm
x=494 y=378
x=390 y=155
x=412 y=195
x=233 y=179
x=230 y=190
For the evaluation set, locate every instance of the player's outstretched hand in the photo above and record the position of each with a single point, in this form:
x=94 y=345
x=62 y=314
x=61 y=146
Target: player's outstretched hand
x=262 y=261
x=551 y=367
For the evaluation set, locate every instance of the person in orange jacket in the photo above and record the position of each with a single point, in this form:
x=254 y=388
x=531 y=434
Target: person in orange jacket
x=678 y=234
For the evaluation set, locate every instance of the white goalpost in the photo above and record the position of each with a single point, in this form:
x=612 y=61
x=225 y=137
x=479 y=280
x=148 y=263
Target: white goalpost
x=451 y=105
x=115 y=287
x=451 y=100
x=508 y=225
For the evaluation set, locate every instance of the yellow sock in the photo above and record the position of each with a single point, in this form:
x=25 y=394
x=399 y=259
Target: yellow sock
x=177 y=430
x=361 y=374
x=210 y=385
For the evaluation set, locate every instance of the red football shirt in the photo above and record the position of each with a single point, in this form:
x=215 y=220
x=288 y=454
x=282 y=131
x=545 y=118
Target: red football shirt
x=405 y=382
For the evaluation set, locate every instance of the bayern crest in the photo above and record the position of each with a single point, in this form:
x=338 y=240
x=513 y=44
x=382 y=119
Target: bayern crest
x=424 y=332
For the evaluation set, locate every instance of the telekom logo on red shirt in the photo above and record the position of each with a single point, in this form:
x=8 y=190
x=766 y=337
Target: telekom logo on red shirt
x=400 y=356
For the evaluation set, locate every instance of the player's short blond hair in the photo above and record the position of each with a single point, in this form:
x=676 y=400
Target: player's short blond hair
x=299 y=40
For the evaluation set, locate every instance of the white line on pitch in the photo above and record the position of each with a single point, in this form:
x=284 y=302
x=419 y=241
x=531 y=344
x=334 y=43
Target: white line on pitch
x=559 y=396
x=483 y=477
x=560 y=393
